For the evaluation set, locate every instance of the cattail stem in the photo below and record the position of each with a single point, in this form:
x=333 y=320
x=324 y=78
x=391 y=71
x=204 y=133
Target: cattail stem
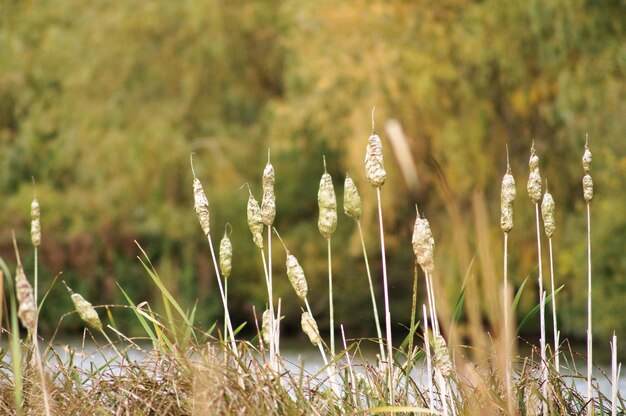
x=374 y=306
x=431 y=396
x=506 y=335
x=350 y=368
x=615 y=370
x=330 y=302
x=554 y=322
x=271 y=309
x=386 y=294
x=542 y=340
x=590 y=407
x=223 y=295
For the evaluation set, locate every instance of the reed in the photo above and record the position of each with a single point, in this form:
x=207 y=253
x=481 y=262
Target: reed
x=588 y=196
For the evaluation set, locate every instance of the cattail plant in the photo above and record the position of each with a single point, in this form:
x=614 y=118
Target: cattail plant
x=507 y=199
x=327 y=223
x=35 y=236
x=549 y=226
x=376 y=175
x=201 y=206
x=424 y=251
x=588 y=196
x=226 y=261
x=534 y=192
x=268 y=214
x=352 y=208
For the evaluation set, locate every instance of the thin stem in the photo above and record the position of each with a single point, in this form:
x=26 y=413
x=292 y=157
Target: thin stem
x=505 y=307
x=589 y=330
x=386 y=293
x=409 y=365
x=221 y=288
x=44 y=389
x=542 y=340
x=431 y=396
x=374 y=306
x=330 y=302
x=226 y=302
x=554 y=322
x=350 y=368
x=270 y=287
x=430 y=300
x=271 y=308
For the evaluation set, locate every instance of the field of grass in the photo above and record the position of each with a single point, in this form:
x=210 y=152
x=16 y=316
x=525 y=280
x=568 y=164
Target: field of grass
x=192 y=370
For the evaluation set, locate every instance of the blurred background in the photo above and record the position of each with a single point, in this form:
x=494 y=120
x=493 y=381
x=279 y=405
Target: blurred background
x=103 y=102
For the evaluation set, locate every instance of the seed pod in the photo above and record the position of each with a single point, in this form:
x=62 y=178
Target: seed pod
x=442 y=357
x=587 y=159
x=374 y=168
x=587 y=188
x=226 y=255
x=351 y=199
x=534 y=179
x=201 y=205
x=255 y=223
x=295 y=273
x=86 y=312
x=35 y=225
x=327 y=202
x=547 y=212
x=27 y=310
x=265 y=328
x=309 y=326
x=507 y=197
x=423 y=244
x=268 y=203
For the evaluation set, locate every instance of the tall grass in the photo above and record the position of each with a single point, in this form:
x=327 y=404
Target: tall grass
x=191 y=370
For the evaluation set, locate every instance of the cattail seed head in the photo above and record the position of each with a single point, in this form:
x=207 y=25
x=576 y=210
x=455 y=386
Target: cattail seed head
x=442 y=357
x=268 y=203
x=255 y=222
x=423 y=244
x=27 y=310
x=547 y=212
x=226 y=255
x=35 y=225
x=327 y=202
x=295 y=273
x=534 y=179
x=374 y=167
x=309 y=326
x=587 y=159
x=587 y=188
x=507 y=197
x=201 y=205
x=351 y=199
x=265 y=328
x=86 y=312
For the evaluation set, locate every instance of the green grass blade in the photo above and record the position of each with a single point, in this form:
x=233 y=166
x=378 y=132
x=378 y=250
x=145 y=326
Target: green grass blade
x=518 y=295
x=534 y=310
x=142 y=320
x=16 y=357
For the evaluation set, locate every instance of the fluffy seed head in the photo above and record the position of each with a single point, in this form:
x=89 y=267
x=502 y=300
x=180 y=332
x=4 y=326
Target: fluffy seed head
x=265 y=328
x=547 y=212
x=268 y=203
x=201 y=205
x=587 y=159
x=27 y=310
x=587 y=188
x=327 y=202
x=309 y=326
x=86 y=312
x=374 y=167
x=534 y=179
x=226 y=255
x=351 y=199
x=295 y=273
x=255 y=222
x=442 y=357
x=423 y=244
x=35 y=225
x=507 y=197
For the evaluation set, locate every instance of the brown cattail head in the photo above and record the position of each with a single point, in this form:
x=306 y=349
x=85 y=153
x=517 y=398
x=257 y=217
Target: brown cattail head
x=351 y=199
x=423 y=244
x=265 y=328
x=374 y=167
x=587 y=188
x=587 y=157
x=226 y=254
x=507 y=197
x=442 y=357
x=268 y=203
x=309 y=326
x=534 y=179
x=86 y=312
x=295 y=273
x=200 y=202
x=27 y=310
x=255 y=222
x=327 y=202
x=35 y=225
x=547 y=212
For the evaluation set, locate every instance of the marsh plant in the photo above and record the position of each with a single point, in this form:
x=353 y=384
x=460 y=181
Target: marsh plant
x=186 y=369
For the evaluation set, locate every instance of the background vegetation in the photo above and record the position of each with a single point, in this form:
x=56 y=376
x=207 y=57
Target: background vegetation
x=103 y=103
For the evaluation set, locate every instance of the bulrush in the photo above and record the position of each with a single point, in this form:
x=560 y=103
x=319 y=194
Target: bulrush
x=35 y=224
x=507 y=198
x=255 y=221
x=85 y=310
x=295 y=273
x=226 y=254
x=534 y=179
x=265 y=328
x=374 y=166
x=442 y=356
x=200 y=203
x=423 y=244
x=327 y=202
x=351 y=199
x=27 y=309
x=547 y=213
x=309 y=326
x=268 y=203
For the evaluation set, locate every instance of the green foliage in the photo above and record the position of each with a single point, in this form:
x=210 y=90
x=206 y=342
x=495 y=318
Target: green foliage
x=102 y=104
